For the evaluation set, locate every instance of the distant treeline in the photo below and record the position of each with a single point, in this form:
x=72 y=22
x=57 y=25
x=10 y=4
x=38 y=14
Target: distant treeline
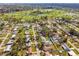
x=12 y=7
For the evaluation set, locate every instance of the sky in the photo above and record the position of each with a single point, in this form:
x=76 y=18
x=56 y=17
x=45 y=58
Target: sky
x=39 y=1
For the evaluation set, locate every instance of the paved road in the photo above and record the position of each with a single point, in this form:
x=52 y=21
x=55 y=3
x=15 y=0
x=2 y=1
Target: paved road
x=36 y=43
x=2 y=43
x=73 y=46
x=71 y=51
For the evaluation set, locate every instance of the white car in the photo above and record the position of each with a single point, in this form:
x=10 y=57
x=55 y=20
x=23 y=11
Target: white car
x=8 y=48
x=13 y=36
